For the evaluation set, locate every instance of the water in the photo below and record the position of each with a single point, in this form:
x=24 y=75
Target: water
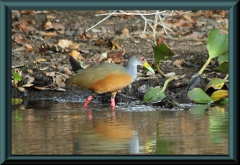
x=52 y=128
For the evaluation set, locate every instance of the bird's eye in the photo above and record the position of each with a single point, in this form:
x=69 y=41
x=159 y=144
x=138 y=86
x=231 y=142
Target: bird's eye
x=143 y=59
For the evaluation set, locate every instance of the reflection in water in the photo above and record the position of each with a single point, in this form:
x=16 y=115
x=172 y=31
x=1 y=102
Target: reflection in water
x=47 y=127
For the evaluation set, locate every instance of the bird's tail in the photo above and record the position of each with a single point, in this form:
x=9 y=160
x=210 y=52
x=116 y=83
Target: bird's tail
x=75 y=65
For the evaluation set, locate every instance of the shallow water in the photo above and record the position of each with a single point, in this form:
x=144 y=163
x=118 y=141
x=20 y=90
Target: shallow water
x=49 y=127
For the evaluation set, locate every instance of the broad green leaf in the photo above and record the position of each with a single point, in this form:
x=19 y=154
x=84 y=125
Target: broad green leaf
x=215 y=83
x=199 y=96
x=223 y=67
x=153 y=95
x=219 y=94
x=217 y=44
x=224 y=101
x=223 y=58
x=16 y=76
x=162 y=52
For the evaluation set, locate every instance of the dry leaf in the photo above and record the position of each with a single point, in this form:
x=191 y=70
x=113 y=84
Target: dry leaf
x=27 y=22
x=51 y=17
x=76 y=55
x=74 y=46
x=47 y=34
x=28 y=48
x=59 y=81
x=32 y=12
x=39 y=60
x=30 y=71
x=27 y=85
x=125 y=32
x=41 y=88
x=64 y=43
x=103 y=56
x=21 y=89
x=50 y=74
x=67 y=71
x=19 y=39
x=47 y=26
x=24 y=28
x=115 y=45
x=58 y=26
x=178 y=63
x=116 y=57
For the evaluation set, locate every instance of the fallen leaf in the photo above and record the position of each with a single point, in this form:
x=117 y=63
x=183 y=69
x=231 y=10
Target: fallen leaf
x=51 y=17
x=76 y=55
x=58 y=26
x=32 y=12
x=27 y=22
x=47 y=26
x=30 y=71
x=64 y=43
x=41 y=88
x=19 y=39
x=24 y=28
x=39 y=60
x=21 y=89
x=50 y=74
x=59 y=81
x=116 y=57
x=115 y=45
x=74 y=46
x=178 y=63
x=27 y=85
x=28 y=48
x=125 y=32
x=67 y=71
x=47 y=34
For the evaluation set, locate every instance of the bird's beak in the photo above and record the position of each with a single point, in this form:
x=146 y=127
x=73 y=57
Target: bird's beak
x=146 y=65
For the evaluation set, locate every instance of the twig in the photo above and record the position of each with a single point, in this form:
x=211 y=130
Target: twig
x=102 y=20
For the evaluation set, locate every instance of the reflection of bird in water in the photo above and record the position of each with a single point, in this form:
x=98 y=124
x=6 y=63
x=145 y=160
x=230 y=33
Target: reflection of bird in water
x=106 y=136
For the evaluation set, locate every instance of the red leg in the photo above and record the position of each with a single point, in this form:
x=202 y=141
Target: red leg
x=113 y=94
x=88 y=100
x=112 y=102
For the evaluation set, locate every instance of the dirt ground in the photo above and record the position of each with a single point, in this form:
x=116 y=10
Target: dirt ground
x=37 y=52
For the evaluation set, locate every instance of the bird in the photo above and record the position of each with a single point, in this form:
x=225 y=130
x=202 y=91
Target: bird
x=108 y=77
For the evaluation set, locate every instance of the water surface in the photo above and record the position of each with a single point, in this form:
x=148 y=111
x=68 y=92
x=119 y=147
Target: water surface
x=52 y=128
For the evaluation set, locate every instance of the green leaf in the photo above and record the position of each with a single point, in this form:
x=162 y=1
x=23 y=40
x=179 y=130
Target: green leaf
x=215 y=83
x=199 y=96
x=153 y=95
x=223 y=67
x=16 y=101
x=217 y=44
x=224 y=101
x=16 y=76
x=223 y=58
x=162 y=52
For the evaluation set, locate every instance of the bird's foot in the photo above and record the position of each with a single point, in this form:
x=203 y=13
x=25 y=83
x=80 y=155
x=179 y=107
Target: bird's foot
x=112 y=103
x=88 y=100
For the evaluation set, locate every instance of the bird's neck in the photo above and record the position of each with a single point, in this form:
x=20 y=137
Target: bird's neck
x=131 y=69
